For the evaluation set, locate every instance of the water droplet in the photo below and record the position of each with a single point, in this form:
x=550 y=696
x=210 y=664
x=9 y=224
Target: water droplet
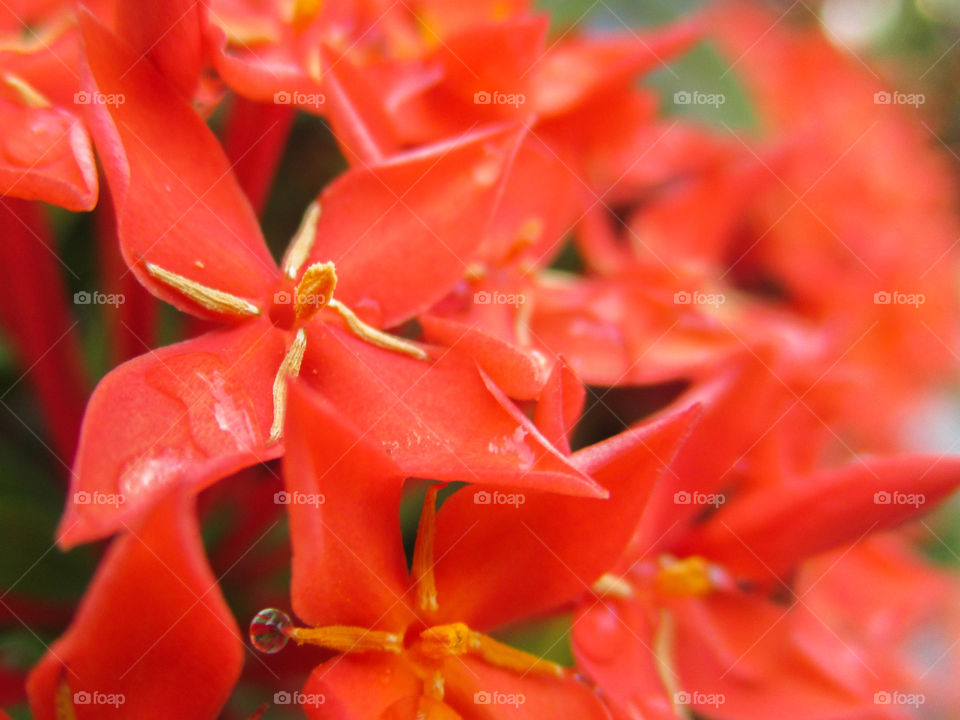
x=268 y=630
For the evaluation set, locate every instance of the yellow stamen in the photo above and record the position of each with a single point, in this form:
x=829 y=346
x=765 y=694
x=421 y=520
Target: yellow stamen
x=63 y=702
x=214 y=300
x=522 y=322
x=315 y=290
x=663 y=640
x=613 y=585
x=304 y=11
x=28 y=93
x=302 y=244
x=348 y=639
x=374 y=336
x=422 y=569
x=441 y=641
x=690 y=576
x=290 y=367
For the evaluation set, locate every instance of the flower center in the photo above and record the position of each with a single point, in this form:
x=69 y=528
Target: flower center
x=290 y=311
x=271 y=629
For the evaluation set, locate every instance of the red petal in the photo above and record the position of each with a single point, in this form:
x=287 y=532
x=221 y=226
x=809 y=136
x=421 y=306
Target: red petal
x=153 y=628
x=437 y=419
x=519 y=373
x=168 y=34
x=344 y=504
x=765 y=533
x=500 y=562
x=560 y=406
x=480 y=691
x=46 y=155
x=179 y=205
x=188 y=413
x=613 y=641
x=359 y=687
x=402 y=233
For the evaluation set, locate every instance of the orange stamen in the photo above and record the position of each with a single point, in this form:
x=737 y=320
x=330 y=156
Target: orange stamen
x=348 y=639
x=315 y=290
x=424 y=579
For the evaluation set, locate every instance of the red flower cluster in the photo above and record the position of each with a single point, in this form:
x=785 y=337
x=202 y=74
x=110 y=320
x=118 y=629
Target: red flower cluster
x=521 y=239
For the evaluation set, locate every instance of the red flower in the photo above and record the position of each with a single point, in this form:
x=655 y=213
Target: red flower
x=390 y=241
x=415 y=641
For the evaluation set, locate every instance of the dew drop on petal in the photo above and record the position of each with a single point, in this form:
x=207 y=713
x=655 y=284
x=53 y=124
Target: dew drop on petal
x=268 y=630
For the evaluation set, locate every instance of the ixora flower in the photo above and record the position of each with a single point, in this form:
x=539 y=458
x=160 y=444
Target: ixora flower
x=153 y=636
x=390 y=241
x=414 y=644
x=691 y=616
x=45 y=153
